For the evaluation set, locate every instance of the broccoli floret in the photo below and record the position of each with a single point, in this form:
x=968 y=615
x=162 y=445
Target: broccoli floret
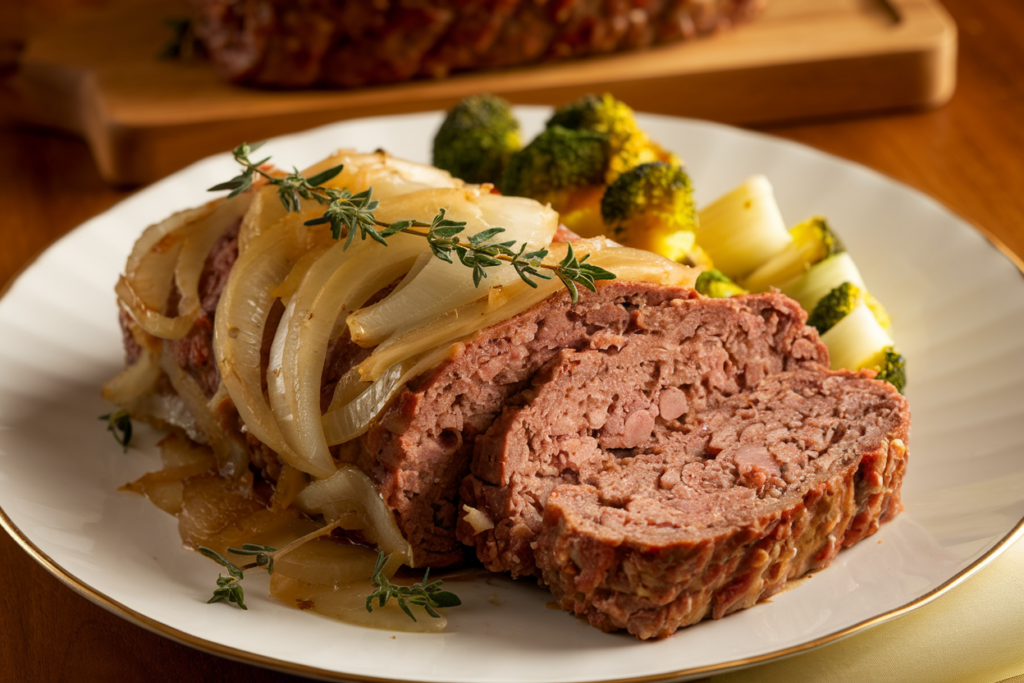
x=476 y=139
x=813 y=241
x=629 y=145
x=652 y=187
x=857 y=330
x=558 y=167
x=713 y=283
x=651 y=207
x=834 y=306
x=891 y=367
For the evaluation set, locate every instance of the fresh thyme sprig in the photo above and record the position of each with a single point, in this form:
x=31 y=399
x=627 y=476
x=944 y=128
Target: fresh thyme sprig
x=349 y=214
x=427 y=595
x=229 y=588
x=119 y=423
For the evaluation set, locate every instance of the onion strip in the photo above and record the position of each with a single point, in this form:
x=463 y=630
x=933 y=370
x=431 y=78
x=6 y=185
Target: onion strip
x=352 y=412
x=149 y=243
x=178 y=257
x=626 y=263
x=137 y=380
x=441 y=286
x=197 y=247
x=240 y=323
x=347 y=490
x=347 y=389
x=231 y=455
x=353 y=418
x=334 y=285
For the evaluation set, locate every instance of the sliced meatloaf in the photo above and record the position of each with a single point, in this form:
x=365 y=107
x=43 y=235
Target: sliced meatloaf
x=651 y=489
x=693 y=350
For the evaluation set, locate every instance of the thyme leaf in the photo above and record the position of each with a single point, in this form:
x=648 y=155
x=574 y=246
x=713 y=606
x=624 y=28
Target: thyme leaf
x=353 y=214
x=229 y=588
x=426 y=594
x=119 y=423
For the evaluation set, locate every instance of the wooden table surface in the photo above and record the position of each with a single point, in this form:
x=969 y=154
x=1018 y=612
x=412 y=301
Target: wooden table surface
x=969 y=155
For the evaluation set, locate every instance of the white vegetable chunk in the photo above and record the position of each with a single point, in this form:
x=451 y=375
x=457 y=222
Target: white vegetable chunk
x=856 y=339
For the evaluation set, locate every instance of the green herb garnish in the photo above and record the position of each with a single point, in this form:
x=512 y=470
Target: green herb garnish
x=426 y=594
x=119 y=423
x=422 y=594
x=229 y=588
x=349 y=214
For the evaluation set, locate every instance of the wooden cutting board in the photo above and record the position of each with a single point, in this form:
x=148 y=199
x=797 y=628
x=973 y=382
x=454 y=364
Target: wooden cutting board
x=97 y=75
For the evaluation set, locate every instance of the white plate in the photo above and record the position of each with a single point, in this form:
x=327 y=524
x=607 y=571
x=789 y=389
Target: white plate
x=963 y=336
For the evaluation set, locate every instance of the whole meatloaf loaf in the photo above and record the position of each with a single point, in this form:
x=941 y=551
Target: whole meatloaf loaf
x=352 y=43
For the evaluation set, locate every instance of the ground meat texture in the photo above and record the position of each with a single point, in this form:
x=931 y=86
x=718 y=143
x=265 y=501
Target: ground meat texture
x=623 y=397
x=353 y=43
x=650 y=521
x=420 y=449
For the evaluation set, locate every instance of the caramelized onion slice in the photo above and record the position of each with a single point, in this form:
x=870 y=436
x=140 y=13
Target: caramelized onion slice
x=177 y=258
x=347 y=389
x=291 y=283
x=198 y=244
x=353 y=418
x=241 y=321
x=327 y=562
x=231 y=455
x=137 y=380
x=350 y=490
x=181 y=459
x=440 y=286
x=336 y=283
x=628 y=264
x=143 y=293
x=352 y=412
x=156 y=239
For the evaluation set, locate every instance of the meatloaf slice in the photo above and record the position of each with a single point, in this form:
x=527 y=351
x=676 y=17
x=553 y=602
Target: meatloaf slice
x=420 y=448
x=646 y=510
